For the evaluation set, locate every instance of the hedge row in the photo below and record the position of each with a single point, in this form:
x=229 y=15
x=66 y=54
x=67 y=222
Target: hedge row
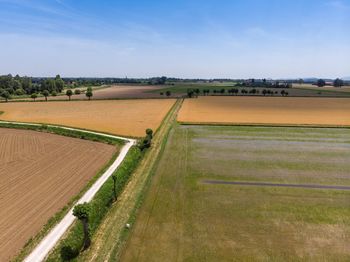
x=70 y=247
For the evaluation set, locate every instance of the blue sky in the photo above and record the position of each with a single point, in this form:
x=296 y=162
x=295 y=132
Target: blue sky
x=180 y=38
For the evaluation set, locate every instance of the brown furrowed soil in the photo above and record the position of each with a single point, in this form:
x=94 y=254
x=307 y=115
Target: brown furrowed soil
x=39 y=175
x=122 y=117
x=267 y=110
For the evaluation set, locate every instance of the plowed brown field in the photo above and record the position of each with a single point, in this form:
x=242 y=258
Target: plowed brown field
x=267 y=110
x=39 y=174
x=122 y=117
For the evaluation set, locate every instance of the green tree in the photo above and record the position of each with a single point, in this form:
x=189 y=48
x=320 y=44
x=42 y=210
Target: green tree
x=77 y=92
x=59 y=83
x=89 y=93
x=168 y=93
x=27 y=84
x=20 y=92
x=45 y=94
x=6 y=95
x=69 y=93
x=17 y=84
x=82 y=212
x=338 y=82
x=54 y=93
x=321 y=83
x=149 y=132
x=34 y=96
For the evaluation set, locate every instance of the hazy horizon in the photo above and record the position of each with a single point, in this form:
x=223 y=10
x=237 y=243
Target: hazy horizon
x=183 y=39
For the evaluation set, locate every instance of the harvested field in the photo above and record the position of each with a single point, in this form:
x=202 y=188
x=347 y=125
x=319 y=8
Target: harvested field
x=185 y=219
x=267 y=110
x=122 y=117
x=114 y=92
x=39 y=175
x=325 y=89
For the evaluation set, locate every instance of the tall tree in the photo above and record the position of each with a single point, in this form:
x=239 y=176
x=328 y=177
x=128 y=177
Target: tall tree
x=338 y=82
x=59 y=83
x=321 y=83
x=34 y=96
x=46 y=94
x=82 y=212
x=6 y=95
x=69 y=93
x=89 y=93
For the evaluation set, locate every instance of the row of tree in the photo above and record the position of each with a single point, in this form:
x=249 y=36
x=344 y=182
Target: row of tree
x=234 y=91
x=336 y=83
x=83 y=211
x=69 y=93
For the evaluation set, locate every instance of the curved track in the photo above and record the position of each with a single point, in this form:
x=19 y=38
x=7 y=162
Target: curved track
x=51 y=239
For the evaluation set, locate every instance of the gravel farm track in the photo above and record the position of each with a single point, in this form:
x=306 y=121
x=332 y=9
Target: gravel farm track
x=39 y=174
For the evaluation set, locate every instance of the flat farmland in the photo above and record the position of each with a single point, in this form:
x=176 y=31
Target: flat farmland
x=39 y=175
x=122 y=117
x=184 y=218
x=325 y=89
x=267 y=110
x=113 y=92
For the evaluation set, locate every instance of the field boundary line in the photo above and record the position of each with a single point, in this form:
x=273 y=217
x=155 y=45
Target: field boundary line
x=265 y=184
x=50 y=240
x=185 y=123
x=82 y=130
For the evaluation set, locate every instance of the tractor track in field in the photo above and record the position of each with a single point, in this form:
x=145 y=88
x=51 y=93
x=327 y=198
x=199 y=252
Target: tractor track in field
x=262 y=184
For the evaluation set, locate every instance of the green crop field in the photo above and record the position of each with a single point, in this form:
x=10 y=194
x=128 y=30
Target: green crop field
x=185 y=219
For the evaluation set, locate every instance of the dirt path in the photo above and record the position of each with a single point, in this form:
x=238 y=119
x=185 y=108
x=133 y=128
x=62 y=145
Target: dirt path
x=108 y=240
x=275 y=185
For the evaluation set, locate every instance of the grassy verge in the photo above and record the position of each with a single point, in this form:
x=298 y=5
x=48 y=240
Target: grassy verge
x=141 y=197
x=112 y=234
x=260 y=125
x=99 y=207
x=59 y=215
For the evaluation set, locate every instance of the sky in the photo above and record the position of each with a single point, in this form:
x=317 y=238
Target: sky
x=176 y=38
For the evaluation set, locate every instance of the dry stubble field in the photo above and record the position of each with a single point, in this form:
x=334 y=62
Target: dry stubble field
x=122 y=117
x=267 y=110
x=39 y=174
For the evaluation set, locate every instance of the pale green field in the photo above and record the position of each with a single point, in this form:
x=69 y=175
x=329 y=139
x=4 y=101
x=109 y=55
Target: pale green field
x=184 y=219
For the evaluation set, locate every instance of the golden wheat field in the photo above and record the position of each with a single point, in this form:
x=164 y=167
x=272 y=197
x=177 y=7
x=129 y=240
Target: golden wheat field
x=267 y=110
x=122 y=117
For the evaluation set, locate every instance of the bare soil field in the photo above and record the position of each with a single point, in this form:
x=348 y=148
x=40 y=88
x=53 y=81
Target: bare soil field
x=122 y=117
x=267 y=110
x=39 y=174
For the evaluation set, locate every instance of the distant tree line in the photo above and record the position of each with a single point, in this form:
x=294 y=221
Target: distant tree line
x=263 y=83
x=19 y=86
x=193 y=93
